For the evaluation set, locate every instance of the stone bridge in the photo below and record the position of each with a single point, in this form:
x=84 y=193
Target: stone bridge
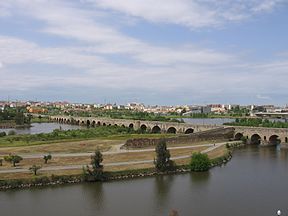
x=152 y=126
x=255 y=135
x=262 y=135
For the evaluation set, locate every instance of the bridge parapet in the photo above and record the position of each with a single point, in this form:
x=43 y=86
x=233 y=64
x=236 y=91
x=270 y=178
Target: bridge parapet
x=264 y=135
x=156 y=126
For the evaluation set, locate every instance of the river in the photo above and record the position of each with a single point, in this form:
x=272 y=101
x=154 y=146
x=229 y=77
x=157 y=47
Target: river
x=208 y=121
x=254 y=183
x=42 y=128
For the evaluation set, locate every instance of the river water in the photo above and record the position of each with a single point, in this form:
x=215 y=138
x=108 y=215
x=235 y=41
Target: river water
x=208 y=121
x=42 y=128
x=254 y=183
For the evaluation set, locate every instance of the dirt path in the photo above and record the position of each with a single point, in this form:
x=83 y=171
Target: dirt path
x=71 y=167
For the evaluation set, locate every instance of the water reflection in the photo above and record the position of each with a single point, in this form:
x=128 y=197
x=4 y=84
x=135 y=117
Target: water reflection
x=94 y=195
x=200 y=178
x=162 y=187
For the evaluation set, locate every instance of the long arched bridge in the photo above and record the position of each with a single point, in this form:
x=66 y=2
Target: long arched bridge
x=152 y=126
x=255 y=135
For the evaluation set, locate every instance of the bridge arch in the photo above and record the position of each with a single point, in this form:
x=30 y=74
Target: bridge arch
x=189 y=131
x=131 y=126
x=274 y=140
x=286 y=139
x=156 y=129
x=172 y=130
x=143 y=128
x=98 y=123
x=88 y=123
x=238 y=136
x=255 y=139
x=93 y=123
x=104 y=124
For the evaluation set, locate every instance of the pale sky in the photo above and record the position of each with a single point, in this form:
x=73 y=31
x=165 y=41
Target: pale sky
x=151 y=51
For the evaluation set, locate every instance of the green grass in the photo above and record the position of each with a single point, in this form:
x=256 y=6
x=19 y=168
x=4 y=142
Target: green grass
x=57 y=136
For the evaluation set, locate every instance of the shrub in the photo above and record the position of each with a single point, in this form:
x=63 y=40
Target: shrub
x=34 y=168
x=200 y=162
x=2 y=134
x=11 y=133
x=13 y=159
x=47 y=157
x=244 y=139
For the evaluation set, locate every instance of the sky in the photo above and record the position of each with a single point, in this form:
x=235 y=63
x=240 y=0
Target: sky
x=150 y=51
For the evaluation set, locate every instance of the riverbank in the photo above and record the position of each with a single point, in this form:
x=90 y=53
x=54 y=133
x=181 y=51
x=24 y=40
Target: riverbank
x=55 y=180
x=13 y=126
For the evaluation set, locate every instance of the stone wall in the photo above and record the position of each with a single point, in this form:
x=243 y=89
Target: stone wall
x=215 y=134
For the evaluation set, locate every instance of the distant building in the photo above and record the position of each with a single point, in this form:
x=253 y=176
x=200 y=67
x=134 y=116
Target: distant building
x=218 y=108
x=36 y=110
x=136 y=106
x=108 y=107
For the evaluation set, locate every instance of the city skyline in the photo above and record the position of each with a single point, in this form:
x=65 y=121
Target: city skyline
x=163 y=52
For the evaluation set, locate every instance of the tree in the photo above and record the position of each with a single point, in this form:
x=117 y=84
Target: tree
x=47 y=157
x=34 y=168
x=96 y=174
x=13 y=159
x=19 y=118
x=200 y=162
x=162 y=161
x=96 y=160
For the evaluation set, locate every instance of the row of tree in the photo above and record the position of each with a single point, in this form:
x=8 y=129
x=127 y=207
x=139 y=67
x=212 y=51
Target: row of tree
x=258 y=122
x=16 y=159
x=199 y=163
x=14 y=114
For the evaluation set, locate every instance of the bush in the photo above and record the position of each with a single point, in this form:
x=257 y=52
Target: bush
x=244 y=139
x=11 y=133
x=200 y=162
x=13 y=159
x=2 y=134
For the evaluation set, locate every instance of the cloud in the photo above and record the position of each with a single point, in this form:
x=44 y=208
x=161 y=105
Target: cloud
x=96 y=54
x=191 y=13
x=67 y=21
x=4 y=9
x=17 y=51
x=262 y=97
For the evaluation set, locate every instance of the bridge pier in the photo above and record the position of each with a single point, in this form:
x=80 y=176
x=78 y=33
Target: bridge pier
x=152 y=126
